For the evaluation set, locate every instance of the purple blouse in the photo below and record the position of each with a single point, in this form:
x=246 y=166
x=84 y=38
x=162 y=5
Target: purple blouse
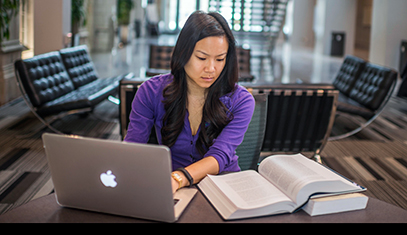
x=148 y=110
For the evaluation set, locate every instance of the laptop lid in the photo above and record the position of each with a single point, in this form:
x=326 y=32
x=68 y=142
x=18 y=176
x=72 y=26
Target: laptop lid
x=114 y=177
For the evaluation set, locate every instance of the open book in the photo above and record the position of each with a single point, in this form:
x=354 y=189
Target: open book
x=283 y=184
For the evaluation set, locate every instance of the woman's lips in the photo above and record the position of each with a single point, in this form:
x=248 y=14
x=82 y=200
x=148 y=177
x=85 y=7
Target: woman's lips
x=207 y=78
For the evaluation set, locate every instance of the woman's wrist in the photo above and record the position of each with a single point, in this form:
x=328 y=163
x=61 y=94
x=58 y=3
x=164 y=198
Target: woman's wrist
x=182 y=182
x=178 y=178
x=188 y=177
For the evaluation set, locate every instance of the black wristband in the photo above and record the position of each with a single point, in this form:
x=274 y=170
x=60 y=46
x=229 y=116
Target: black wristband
x=186 y=173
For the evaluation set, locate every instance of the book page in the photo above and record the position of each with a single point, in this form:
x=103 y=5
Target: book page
x=248 y=190
x=291 y=173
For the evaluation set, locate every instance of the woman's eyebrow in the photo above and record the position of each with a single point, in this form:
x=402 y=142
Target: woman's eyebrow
x=224 y=53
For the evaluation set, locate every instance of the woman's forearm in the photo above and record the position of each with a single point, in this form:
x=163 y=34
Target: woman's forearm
x=198 y=170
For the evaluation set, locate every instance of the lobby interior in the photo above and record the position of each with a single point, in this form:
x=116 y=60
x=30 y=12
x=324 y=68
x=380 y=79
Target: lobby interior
x=301 y=53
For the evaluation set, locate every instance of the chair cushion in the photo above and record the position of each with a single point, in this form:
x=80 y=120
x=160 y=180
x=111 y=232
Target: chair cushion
x=86 y=96
x=373 y=85
x=44 y=77
x=347 y=105
x=79 y=65
x=350 y=70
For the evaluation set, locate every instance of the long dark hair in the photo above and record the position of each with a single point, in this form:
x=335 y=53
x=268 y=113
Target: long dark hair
x=215 y=115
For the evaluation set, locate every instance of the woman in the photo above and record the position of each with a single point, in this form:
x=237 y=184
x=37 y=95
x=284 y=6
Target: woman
x=198 y=110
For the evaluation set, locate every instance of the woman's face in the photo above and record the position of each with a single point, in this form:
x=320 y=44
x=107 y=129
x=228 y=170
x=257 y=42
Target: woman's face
x=207 y=62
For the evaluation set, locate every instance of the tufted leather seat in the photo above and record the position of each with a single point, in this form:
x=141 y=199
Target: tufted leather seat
x=44 y=78
x=78 y=65
x=363 y=86
x=350 y=70
x=373 y=85
x=52 y=88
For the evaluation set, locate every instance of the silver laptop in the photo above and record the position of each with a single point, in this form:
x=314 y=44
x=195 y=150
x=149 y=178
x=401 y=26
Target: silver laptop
x=114 y=177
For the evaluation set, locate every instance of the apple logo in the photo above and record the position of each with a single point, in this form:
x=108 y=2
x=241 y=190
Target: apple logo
x=108 y=179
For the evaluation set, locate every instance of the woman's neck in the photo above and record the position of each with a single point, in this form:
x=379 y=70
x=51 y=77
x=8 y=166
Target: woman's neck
x=196 y=92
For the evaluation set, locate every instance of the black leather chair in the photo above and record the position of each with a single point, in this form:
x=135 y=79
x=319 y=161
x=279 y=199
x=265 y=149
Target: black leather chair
x=45 y=81
x=78 y=65
x=55 y=85
x=349 y=72
x=369 y=92
x=365 y=89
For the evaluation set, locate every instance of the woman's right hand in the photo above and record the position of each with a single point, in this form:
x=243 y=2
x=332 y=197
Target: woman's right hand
x=174 y=184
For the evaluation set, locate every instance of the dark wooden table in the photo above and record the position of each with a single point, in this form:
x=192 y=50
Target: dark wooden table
x=46 y=210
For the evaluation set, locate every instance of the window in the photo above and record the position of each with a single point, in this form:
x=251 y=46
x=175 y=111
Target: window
x=178 y=12
x=251 y=15
x=242 y=15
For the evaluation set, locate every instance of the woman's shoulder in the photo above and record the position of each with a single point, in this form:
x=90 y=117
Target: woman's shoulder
x=239 y=95
x=240 y=92
x=157 y=83
x=159 y=80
